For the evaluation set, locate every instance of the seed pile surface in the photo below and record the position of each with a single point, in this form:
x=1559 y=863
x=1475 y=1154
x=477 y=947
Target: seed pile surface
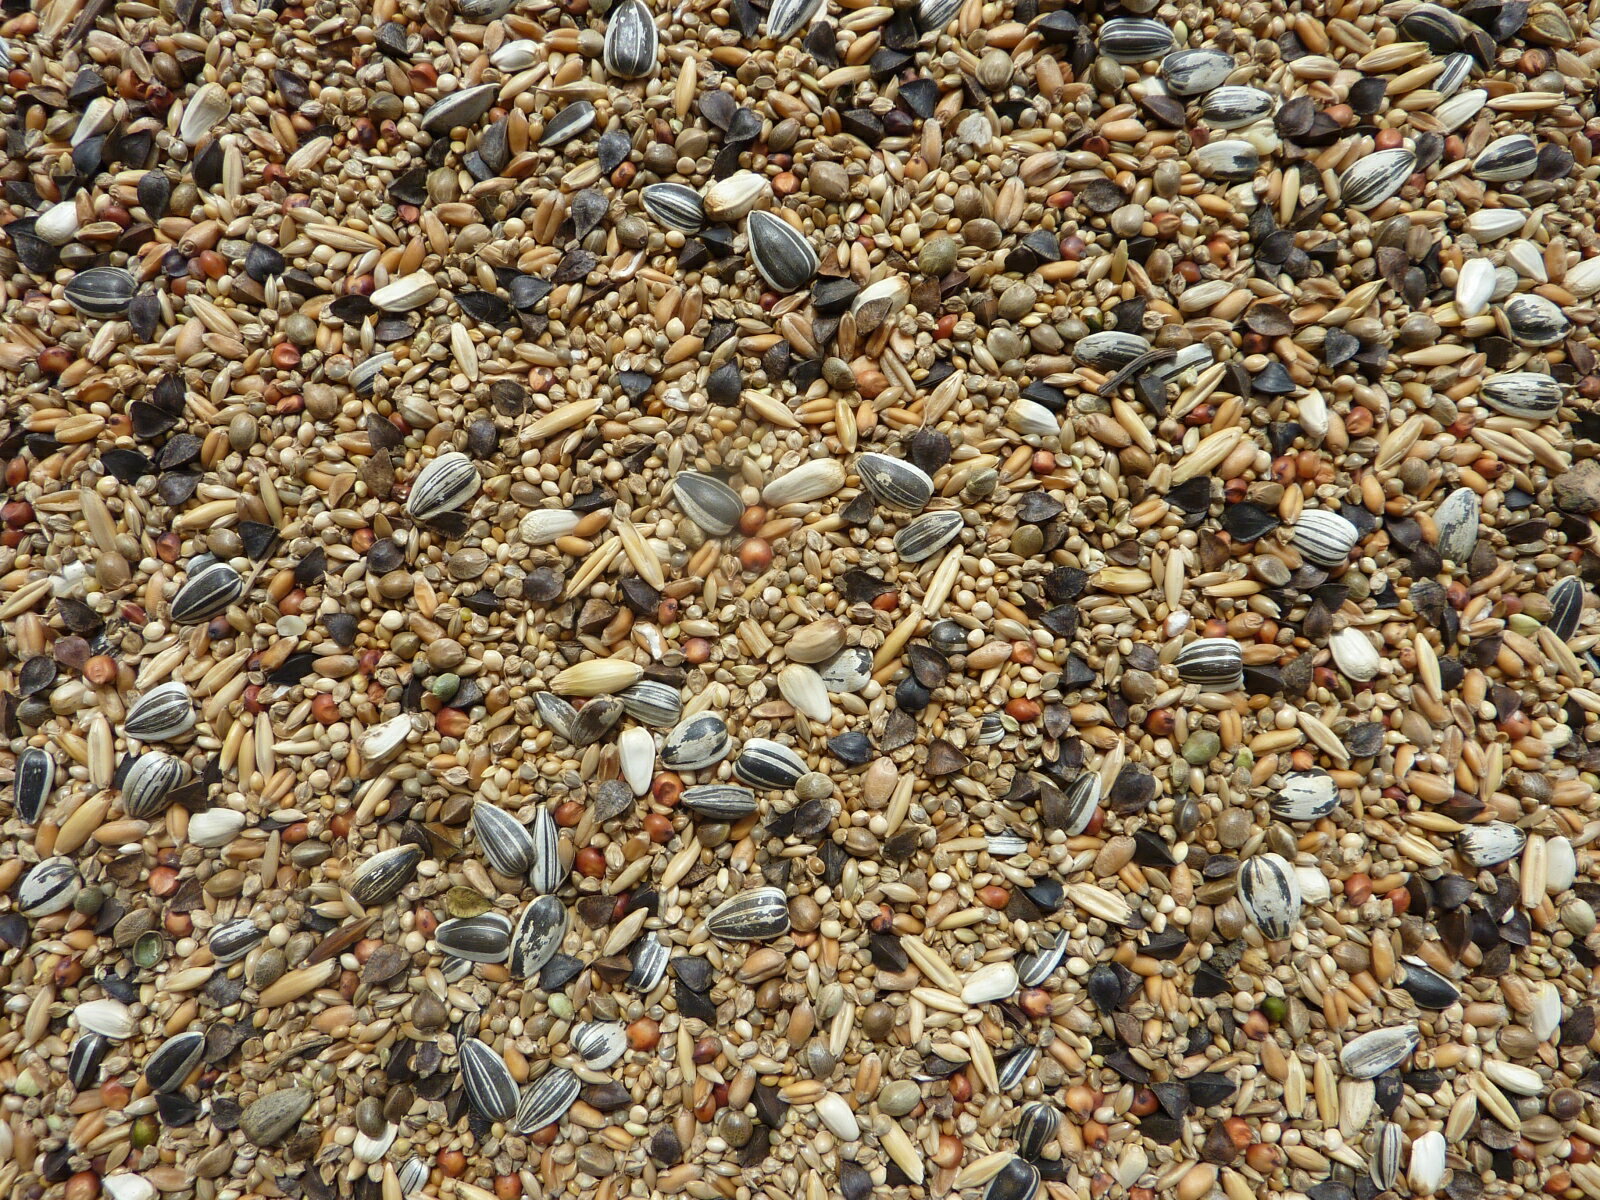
x=611 y=599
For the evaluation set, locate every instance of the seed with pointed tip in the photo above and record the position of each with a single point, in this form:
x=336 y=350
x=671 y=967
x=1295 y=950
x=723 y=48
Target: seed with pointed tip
x=782 y=255
x=101 y=291
x=36 y=780
x=1270 y=893
x=764 y=763
x=537 y=937
x=632 y=45
x=675 y=206
x=1325 y=537
x=925 y=536
x=446 y=483
x=709 y=503
x=546 y=1100
x=1109 y=350
x=50 y=886
x=169 y=1066
x=1134 y=39
x=148 y=782
x=1515 y=156
x=786 y=17
x=490 y=1088
x=380 y=878
x=206 y=593
x=1371 y=1054
x=1214 y=663
x=572 y=121
x=161 y=713
x=758 y=915
x=460 y=108
x=1373 y=179
x=485 y=938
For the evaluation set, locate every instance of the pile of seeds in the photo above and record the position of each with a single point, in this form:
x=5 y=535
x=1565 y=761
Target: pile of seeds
x=799 y=600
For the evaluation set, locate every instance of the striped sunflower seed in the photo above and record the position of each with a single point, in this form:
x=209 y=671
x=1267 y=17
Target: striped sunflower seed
x=1384 y=1167
x=1458 y=518
x=506 y=842
x=1324 y=537
x=709 y=503
x=1270 y=893
x=763 y=763
x=413 y=1175
x=781 y=253
x=1515 y=156
x=1459 y=109
x=160 y=714
x=649 y=964
x=577 y=118
x=83 y=1062
x=1534 y=321
x=490 y=1088
x=101 y=291
x=556 y=713
x=1457 y=69
x=35 y=782
x=169 y=1066
x=1134 y=39
x=895 y=482
x=379 y=879
x=1371 y=180
x=758 y=915
x=206 y=593
x=1033 y=969
x=599 y=1043
x=1231 y=159
x=1216 y=664
x=933 y=15
x=148 y=783
x=445 y=484
x=719 y=801
x=675 y=206
x=924 y=536
x=595 y=720
x=1110 y=350
x=632 y=46
x=460 y=109
x=482 y=939
x=1017 y=1179
x=541 y=928
x=787 y=17
x=1037 y=1128
x=1196 y=72
x=547 y=873
x=701 y=741
x=653 y=703
x=1490 y=845
x=546 y=1100
x=1373 y=1053
x=1072 y=808
x=1016 y=1066
x=50 y=886
x=1526 y=394
x=1233 y=107
x=1426 y=986
x=232 y=940
x=1566 y=607
x=1306 y=796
